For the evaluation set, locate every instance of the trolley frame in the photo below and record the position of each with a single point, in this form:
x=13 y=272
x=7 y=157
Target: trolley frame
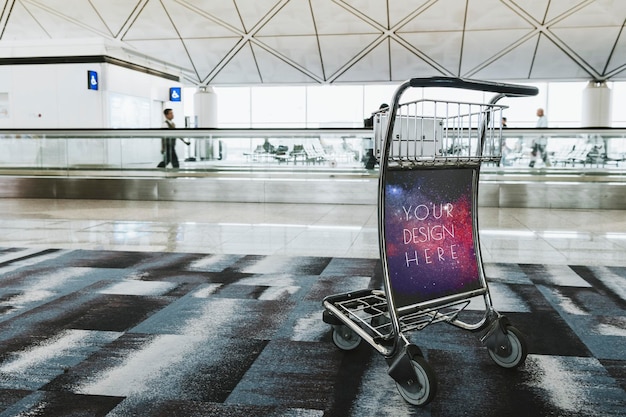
x=377 y=316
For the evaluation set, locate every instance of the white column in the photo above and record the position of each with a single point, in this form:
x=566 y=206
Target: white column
x=205 y=107
x=596 y=111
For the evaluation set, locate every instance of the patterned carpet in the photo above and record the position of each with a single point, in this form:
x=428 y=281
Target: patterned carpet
x=96 y=333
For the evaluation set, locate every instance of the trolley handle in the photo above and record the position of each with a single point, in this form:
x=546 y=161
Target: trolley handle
x=509 y=90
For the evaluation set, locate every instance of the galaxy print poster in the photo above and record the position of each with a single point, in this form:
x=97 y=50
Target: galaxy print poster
x=428 y=233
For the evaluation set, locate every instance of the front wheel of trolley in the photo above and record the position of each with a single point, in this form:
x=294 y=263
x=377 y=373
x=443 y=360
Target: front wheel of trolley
x=423 y=389
x=345 y=338
x=517 y=354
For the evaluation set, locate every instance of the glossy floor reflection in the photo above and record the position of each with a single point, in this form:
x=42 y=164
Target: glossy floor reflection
x=564 y=237
x=161 y=309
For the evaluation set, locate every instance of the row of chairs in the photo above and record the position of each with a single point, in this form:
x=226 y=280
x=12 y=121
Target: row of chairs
x=310 y=151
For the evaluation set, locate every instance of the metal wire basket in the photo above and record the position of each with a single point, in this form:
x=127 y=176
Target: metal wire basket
x=431 y=132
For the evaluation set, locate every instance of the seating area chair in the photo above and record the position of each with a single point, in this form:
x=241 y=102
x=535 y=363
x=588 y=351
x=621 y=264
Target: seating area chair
x=314 y=152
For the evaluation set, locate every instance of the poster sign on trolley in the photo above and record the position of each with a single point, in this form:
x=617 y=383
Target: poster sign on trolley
x=429 y=234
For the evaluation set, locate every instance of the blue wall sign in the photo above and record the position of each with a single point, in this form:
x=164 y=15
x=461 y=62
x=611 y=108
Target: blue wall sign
x=175 y=94
x=92 y=80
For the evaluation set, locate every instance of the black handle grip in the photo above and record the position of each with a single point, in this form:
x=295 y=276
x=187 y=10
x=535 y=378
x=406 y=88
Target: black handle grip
x=468 y=84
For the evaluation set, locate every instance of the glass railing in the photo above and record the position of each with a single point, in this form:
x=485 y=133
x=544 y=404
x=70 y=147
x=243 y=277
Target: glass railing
x=564 y=150
x=132 y=152
x=140 y=152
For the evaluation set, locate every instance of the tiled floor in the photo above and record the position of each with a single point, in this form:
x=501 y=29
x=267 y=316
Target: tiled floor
x=564 y=237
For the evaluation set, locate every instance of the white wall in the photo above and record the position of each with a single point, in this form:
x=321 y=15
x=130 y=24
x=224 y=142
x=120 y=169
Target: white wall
x=50 y=96
x=133 y=96
x=55 y=96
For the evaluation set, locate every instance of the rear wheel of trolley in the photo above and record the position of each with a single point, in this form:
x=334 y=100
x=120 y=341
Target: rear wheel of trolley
x=345 y=338
x=423 y=389
x=517 y=355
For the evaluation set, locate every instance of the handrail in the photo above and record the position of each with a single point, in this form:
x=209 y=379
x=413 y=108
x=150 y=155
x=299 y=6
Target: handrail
x=255 y=133
x=509 y=90
x=187 y=132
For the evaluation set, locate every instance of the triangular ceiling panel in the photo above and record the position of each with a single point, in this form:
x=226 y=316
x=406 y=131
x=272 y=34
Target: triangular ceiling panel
x=559 y=7
x=480 y=46
x=303 y=50
x=598 y=13
x=207 y=54
x=371 y=67
x=225 y=11
x=59 y=27
x=552 y=63
x=441 y=16
x=332 y=19
x=253 y=11
x=338 y=50
x=114 y=12
x=515 y=64
x=78 y=11
x=241 y=69
x=152 y=23
x=190 y=24
x=493 y=14
x=621 y=75
x=21 y=25
x=165 y=50
x=604 y=38
x=401 y=9
x=442 y=47
x=535 y=8
x=375 y=10
x=405 y=64
x=276 y=71
x=618 y=57
x=294 y=18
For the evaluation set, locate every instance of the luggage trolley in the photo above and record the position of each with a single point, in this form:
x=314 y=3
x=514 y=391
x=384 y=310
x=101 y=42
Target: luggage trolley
x=430 y=153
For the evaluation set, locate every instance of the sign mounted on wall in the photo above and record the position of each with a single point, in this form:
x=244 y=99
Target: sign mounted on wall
x=92 y=80
x=175 y=94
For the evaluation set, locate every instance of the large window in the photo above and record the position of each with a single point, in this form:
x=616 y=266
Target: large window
x=347 y=105
x=565 y=104
x=233 y=108
x=522 y=111
x=277 y=107
x=334 y=106
x=619 y=103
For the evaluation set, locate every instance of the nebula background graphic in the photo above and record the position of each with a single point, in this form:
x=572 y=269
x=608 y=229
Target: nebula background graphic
x=437 y=278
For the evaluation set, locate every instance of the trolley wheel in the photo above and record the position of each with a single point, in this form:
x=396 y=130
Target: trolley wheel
x=519 y=350
x=345 y=338
x=421 y=391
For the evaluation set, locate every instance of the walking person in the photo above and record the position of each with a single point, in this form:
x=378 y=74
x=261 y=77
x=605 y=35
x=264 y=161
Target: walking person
x=168 y=145
x=540 y=144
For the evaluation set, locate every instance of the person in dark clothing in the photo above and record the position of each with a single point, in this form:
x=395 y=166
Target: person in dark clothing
x=369 y=158
x=168 y=145
x=369 y=122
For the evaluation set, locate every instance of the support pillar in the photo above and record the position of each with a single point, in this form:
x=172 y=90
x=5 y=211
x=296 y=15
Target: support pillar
x=597 y=106
x=205 y=105
x=205 y=109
